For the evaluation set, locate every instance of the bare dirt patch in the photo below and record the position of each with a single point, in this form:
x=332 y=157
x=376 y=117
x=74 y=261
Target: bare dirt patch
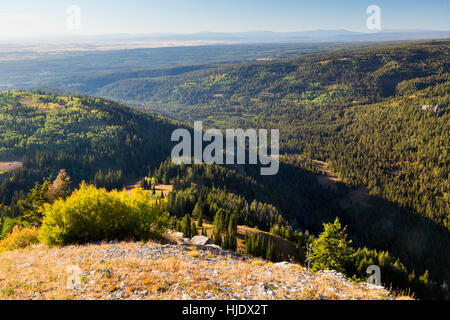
x=10 y=166
x=27 y=101
x=165 y=188
x=7 y=167
x=328 y=179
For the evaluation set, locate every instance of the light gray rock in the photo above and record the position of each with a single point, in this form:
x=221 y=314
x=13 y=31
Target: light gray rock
x=374 y=287
x=74 y=287
x=201 y=240
x=213 y=247
x=282 y=264
x=177 y=235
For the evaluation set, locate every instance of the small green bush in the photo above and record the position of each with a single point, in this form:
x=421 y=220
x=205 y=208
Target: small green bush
x=92 y=214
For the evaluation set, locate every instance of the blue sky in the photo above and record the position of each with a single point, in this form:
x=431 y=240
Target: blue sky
x=31 y=17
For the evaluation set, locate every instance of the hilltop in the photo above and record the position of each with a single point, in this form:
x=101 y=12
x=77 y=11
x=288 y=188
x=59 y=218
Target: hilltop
x=154 y=271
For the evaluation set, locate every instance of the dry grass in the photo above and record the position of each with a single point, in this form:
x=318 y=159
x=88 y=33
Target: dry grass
x=122 y=271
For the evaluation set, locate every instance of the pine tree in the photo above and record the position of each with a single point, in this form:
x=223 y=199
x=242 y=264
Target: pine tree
x=217 y=227
x=186 y=226
x=271 y=255
x=232 y=233
x=331 y=250
x=194 y=231
x=200 y=220
x=247 y=243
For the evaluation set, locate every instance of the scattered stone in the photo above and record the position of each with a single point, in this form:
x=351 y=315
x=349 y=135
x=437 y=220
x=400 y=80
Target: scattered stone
x=434 y=108
x=201 y=240
x=74 y=287
x=214 y=247
x=373 y=286
x=217 y=275
x=174 y=236
x=282 y=264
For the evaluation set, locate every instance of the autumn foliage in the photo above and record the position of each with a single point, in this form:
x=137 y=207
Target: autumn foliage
x=92 y=214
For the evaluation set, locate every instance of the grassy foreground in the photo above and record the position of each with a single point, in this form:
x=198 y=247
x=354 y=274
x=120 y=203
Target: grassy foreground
x=154 y=271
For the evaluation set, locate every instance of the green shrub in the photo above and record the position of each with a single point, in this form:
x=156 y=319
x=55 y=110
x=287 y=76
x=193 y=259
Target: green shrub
x=92 y=214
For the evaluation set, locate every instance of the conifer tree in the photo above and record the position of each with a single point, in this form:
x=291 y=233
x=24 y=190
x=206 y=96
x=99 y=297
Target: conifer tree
x=271 y=255
x=194 y=231
x=232 y=233
x=186 y=226
x=331 y=250
x=200 y=220
x=217 y=227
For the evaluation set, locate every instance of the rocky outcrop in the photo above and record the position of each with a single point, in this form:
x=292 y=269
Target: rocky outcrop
x=434 y=108
x=201 y=240
x=154 y=271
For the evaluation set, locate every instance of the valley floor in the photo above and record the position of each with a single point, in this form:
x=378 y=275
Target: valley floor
x=154 y=271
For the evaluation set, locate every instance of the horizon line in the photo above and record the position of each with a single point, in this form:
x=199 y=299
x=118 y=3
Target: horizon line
x=75 y=34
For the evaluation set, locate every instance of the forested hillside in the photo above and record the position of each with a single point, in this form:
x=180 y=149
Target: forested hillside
x=378 y=116
x=89 y=137
x=293 y=205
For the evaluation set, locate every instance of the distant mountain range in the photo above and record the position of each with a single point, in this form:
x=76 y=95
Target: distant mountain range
x=301 y=36
x=255 y=36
